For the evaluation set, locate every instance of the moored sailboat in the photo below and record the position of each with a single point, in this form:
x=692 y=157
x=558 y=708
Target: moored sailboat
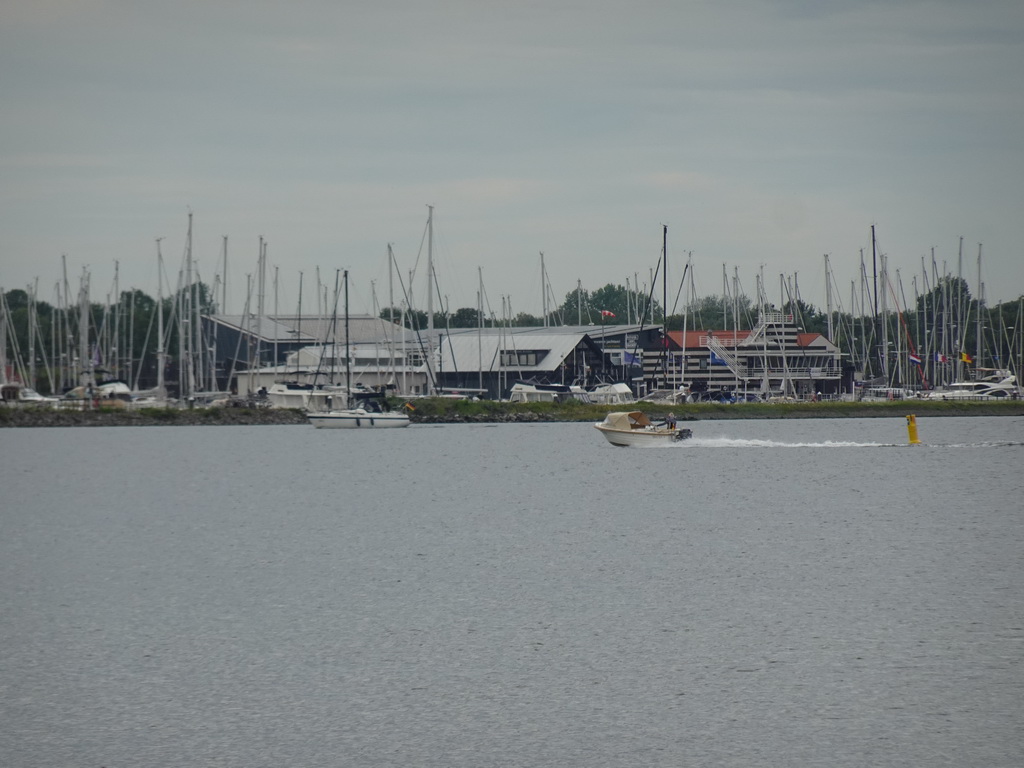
x=362 y=409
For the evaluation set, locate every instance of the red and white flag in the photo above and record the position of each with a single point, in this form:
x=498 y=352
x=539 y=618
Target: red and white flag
x=606 y=313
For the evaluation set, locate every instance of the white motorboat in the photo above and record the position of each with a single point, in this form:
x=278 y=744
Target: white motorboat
x=289 y=394
x=996 y=384
x=617 y=393
x=13 y=393
x=531 y=392
x=625 y=428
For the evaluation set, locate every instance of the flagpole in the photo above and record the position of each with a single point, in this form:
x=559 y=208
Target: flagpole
x=603 y=344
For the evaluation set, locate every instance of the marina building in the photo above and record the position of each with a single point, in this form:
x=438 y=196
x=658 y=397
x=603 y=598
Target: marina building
x=776 y=358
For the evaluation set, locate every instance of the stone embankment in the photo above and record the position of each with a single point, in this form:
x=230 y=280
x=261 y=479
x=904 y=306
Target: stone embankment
x=147 y=417
x=517 y=417
x=169 y=417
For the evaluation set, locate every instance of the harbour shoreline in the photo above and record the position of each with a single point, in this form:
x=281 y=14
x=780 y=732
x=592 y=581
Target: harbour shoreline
x=467 y=412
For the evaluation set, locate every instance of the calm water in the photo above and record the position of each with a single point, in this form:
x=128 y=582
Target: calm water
x=771 y=593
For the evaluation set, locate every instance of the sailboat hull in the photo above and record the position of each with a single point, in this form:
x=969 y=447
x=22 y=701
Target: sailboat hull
x=358 y=419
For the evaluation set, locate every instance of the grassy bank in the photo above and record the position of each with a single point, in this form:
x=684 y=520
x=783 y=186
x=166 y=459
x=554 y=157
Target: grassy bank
x=437 y=410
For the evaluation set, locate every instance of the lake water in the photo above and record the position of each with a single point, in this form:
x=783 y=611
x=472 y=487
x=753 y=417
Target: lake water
x=770 y=593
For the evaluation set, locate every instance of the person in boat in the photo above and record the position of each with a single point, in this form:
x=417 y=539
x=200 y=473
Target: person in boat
x=670 y=421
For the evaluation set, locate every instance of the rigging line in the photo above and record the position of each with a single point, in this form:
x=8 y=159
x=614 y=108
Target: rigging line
x=906 y=330
x=648 y=301
x=145 y=345
x=419 y=253
x=497 y=347
x=682 y=283
x=332 y=333
x=241 y=334
x=412 y=320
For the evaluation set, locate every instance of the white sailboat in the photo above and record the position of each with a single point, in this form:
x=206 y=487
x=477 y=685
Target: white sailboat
x=363 y=409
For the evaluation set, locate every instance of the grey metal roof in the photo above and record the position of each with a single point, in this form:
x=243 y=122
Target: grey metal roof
x=475 y=352
x=311 y=329
x=470 y=349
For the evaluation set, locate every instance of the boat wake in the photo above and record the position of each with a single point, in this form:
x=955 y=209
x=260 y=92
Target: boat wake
x=1008 y=444
x=729 y=442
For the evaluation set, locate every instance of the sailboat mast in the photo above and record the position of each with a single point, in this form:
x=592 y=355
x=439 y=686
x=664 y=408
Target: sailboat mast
x=186 y=315
x=391 y=316
x=160 y=352
x=261 y=284
x=348 y=362
x=960 y=320
x=480 y=326
x=83 y=331
x=978 y=362
x=664 y=301
x=391 y=285
x=224 y=278
x=828 y=300
x=664 y=277
x=885 y=321
x=197 y=331
x=298 y=331
x=430 y=296
x=276 y=320
x=32 y=320
x=543 y=291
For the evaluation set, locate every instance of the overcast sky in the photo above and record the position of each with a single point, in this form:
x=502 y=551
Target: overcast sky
x=763 y=133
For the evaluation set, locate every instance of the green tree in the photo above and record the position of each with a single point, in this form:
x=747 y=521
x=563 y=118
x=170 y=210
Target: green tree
x=526 y=320
x=807 y=316
x=586 y=306
x=465 y=317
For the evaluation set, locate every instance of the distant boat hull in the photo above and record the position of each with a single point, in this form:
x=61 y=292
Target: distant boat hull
x=997 y=385
x=357 y=418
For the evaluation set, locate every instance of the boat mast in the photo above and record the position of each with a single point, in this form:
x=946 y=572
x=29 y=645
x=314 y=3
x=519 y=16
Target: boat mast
x=224 y=279
x=664 y=301
x=960 y=321
x=430 y=296
x=186 y=317
x=261 y=286
x=543 y=291
x=828 y=300
x=83 y=332
x=32 y=320
x=276 y=317
x=298 y=332
x=978 y=361
x=197 y=331
x=480 y=327
x=391 y=316
x=874 y=263
x=160 y=351
x=348 y=364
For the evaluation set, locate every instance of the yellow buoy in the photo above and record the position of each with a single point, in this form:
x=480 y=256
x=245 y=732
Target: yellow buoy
x=912 y=429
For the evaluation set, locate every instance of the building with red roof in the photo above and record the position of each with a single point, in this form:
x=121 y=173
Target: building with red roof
x=776 y=358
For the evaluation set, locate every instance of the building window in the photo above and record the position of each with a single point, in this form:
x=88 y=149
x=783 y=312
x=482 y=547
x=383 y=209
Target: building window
x=522 y=357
